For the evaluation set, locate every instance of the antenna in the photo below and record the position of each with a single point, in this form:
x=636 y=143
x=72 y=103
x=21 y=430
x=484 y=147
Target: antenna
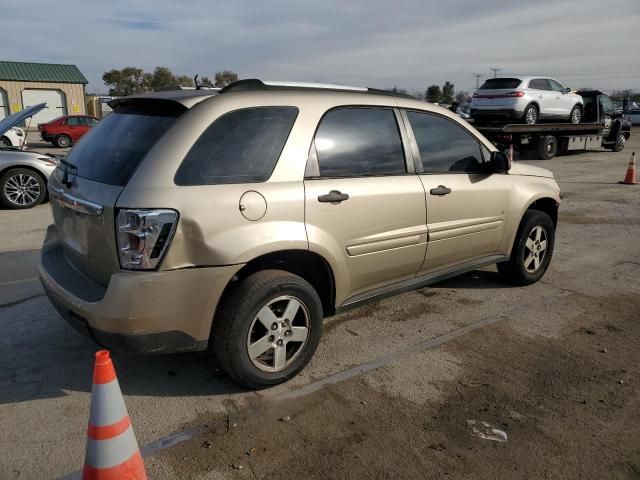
x=495 y=71
x=477 y=75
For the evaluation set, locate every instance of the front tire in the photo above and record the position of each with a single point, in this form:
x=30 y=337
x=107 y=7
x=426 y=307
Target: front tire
x=5 y=142
x=63 y=141
x=22 y=188
x=621 y=141
x=576 y=115
x=530 y=115
x=267 y=328
x=532 y=250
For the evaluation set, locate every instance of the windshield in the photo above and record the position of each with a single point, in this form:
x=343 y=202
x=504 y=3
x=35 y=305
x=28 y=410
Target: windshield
x=498 y=83
x=114 y=148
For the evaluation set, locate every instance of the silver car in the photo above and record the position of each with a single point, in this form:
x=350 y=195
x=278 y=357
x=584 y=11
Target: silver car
x=24 y=174
x=525 y=99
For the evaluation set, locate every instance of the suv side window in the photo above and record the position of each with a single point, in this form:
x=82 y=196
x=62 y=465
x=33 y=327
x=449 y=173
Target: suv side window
x=444 y=146
x=556 y=86
x=539 y=84
x=359 y=141
x=240 y=147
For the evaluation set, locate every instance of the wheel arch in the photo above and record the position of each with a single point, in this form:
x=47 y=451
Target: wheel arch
x=547 y=205
x=308 y=265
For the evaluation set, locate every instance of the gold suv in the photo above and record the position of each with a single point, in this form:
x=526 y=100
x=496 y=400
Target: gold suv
x=239 y=220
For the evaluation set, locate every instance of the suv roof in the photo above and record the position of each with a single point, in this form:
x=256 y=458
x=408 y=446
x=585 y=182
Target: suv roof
x=191 y=97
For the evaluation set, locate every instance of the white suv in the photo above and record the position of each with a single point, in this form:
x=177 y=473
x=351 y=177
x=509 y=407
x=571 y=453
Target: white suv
x=526 y=99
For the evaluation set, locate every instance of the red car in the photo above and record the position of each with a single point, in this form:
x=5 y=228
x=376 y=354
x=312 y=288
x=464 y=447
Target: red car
x=65 y=130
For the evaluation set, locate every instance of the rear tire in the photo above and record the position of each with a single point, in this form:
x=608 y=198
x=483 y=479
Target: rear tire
x=22 y=188
x=530 y=257
x=254 y=316
x=530 y=115
x=63 y=141
x=547 y=147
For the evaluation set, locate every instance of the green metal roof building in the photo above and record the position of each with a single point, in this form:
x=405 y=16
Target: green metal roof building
x=24 y=84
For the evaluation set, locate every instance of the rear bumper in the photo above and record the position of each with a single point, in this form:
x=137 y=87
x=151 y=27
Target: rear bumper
x=138 y=312
x=495 y=114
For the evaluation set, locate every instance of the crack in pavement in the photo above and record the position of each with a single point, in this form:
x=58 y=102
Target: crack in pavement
x=23 y=300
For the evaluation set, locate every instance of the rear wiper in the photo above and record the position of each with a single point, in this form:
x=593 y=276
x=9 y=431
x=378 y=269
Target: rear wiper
x=65 y=176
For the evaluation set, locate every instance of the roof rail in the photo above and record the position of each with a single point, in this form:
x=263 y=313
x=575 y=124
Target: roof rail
x=252 y=84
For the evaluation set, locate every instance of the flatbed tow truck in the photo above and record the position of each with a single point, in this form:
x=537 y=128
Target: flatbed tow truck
x=603 y=127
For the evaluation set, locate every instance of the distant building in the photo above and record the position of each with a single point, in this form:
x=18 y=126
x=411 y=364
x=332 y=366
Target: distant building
x=22 y=84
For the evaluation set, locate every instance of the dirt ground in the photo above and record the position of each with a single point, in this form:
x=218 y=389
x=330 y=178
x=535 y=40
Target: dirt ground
x=569 y=406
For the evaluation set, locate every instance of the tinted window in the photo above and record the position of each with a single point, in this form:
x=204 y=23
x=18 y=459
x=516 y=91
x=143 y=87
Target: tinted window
x=496 y=83
x=91 y=121
x=556 y=86
x=111 y=151
x=606 y=105
x=539 y=84
x=74 y=121
x=239 y=147
x=359 y=141
x=444 y=146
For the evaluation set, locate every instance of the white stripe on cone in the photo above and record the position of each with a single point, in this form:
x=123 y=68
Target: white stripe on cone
x=107 y=404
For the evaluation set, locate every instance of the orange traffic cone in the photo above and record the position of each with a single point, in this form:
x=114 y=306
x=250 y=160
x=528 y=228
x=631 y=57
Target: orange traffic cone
x=112 y=450
x=630 y=177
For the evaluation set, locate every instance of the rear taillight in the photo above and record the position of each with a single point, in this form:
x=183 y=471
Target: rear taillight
x=143 y=237
x=514 y=94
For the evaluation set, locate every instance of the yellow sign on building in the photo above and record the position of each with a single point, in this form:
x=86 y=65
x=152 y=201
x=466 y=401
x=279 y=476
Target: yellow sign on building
x=15 y=107
x=76 y=108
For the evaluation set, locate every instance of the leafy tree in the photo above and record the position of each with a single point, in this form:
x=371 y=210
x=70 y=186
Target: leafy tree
x=184 y=81
x=225 y=77
x=462 y=96
x=128 y=81
x=205 y=82
x=447 y=92
x=162 y=77
x=433 y=94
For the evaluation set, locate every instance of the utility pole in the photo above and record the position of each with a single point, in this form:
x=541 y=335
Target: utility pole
x=477 y=75
x=495 y=71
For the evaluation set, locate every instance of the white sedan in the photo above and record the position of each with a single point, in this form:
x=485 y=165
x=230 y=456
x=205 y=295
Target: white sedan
x=14 y=137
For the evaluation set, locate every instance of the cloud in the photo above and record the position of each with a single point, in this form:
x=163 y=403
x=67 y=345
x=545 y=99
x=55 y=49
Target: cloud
x=408 y=43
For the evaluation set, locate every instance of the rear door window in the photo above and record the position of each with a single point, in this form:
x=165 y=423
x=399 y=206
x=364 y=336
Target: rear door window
x=359 y=141
x=444 y=146
x=242 y=146
x=74 y=121
x=539 y=84
x=112 y=150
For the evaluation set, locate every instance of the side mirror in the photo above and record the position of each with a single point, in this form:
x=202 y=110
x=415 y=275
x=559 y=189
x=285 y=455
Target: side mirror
x=499 y=163
x=567 y=90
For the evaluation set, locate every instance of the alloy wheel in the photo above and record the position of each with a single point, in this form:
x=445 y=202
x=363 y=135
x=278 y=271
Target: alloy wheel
x=278 y=334
x=535 y=249
x=22 y=189
x=576 y=116
x=531 y=116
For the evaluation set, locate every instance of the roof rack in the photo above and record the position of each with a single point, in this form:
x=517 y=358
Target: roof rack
x=252 y=84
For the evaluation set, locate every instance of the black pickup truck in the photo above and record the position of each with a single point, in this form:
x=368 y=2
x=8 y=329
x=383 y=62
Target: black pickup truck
x=602 y=126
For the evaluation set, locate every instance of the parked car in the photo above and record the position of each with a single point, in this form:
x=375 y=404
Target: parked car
x=66 y=130
x=633 y=115
x=241 y=220
x=14 y=137
x=525 y=99
x=23 y=173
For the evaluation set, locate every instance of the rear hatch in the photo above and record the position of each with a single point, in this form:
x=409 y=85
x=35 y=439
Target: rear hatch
x=496 y=92
x=84 y=189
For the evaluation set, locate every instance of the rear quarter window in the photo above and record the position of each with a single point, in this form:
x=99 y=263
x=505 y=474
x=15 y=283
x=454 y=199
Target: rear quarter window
x=242 y=146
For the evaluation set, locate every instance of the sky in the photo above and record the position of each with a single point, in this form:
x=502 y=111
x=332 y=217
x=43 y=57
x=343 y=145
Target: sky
x=406 y=43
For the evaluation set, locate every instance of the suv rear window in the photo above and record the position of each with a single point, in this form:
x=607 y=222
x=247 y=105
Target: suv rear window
x=240 y=147
x=114 y=148
x=497 y=83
